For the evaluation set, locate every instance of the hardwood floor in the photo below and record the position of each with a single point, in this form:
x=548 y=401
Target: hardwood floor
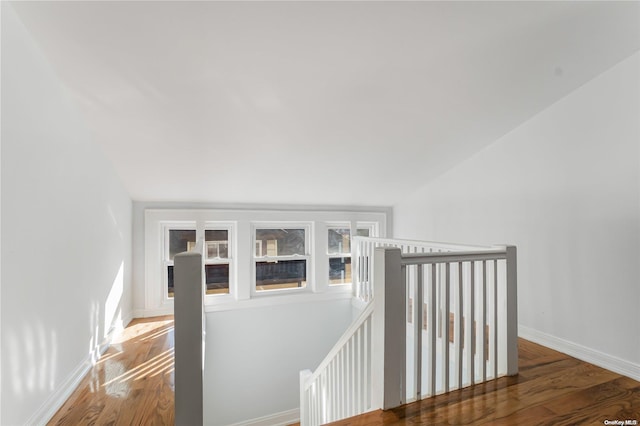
x=551 y=389
x=131 y=384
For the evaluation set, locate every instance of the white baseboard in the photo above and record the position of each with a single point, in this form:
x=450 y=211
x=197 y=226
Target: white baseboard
x=62 y=393
x=279 y=419
x=609 y=362
x=126 y=319
x=147 y=313
x=57 y=399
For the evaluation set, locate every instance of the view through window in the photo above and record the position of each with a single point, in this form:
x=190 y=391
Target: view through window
x=217 y=260
x=339 y=245
x=281 y=258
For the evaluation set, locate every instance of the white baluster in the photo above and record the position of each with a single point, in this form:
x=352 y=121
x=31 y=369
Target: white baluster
x=472 y=325
x=458 y=321
x=433 y=307
x=445 y=334
x=483 y=325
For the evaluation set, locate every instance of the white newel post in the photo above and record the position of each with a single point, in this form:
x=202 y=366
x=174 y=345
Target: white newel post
x=304 y=405
x=512 y=311
x=389 y=330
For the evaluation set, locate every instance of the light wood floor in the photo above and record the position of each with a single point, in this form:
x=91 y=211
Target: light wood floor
x=551 y=389
x=133 y=384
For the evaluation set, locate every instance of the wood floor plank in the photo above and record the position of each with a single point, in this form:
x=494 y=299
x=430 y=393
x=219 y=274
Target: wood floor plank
x=133 y=384
x=551 y=389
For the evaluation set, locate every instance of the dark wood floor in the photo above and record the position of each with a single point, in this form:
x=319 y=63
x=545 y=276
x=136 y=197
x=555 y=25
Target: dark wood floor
x=133 y=384
x=551 y=389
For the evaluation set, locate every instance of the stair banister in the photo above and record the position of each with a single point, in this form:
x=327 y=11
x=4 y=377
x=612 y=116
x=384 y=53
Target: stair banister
x=466 y=294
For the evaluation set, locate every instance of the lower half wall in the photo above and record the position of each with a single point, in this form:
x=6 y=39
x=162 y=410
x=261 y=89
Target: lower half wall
x=254 y=357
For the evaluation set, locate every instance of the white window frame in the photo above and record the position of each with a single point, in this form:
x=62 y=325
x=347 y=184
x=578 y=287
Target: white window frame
x=331 y=255
x=352 y=226
x=151 y=290
x=373 y=227
x=200 y=229
x=231 y=238
x=308 y=256
x=166 y=261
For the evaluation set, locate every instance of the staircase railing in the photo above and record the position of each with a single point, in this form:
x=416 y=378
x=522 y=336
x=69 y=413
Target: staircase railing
x=340 y=387
x=436 y=317
x=364 y=247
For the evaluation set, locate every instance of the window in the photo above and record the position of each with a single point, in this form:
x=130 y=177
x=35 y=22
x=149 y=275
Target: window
x=339 y=243
x=176 y=241
x=217 y=260
x=281 y=258
x=339 y=251
x=181 y=238
x=254 y=257
x=364 y=232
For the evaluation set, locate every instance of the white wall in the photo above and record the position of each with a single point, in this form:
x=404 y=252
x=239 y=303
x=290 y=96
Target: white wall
x=254 y=356
x=565 y=188
x=66 y=236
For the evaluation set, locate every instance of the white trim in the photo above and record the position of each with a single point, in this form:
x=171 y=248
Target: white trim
x=358 y=304
x=148 y=313
x=278 y=419
x=601 y=359
x=258 y=302
x=57 y=399
x=280 y=299
x=242 y=262
x=63 y=391
x=125 y=321
x=309 y=230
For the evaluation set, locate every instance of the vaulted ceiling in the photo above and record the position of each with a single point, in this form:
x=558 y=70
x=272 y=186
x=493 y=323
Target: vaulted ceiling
x=356 y=103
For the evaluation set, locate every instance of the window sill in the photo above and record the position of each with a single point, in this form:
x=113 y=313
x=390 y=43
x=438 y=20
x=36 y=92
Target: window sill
x=275 y=300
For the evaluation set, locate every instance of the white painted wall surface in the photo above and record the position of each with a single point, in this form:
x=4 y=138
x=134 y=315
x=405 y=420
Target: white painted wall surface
x=66 y=236
x=254 y=356
x=564 y=187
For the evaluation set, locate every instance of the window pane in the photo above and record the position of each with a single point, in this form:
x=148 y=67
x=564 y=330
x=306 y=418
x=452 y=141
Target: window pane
x=363 y=232
x=181 y=240
x=339 y=240
x=280 y=242
x=217 y=243
x=170 y=280
x=340 y=270
x=282 y=274
x=217 y=278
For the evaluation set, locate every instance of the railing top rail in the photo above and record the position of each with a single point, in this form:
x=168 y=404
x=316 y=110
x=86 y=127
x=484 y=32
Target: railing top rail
x=433 y=244
x=450 y=257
